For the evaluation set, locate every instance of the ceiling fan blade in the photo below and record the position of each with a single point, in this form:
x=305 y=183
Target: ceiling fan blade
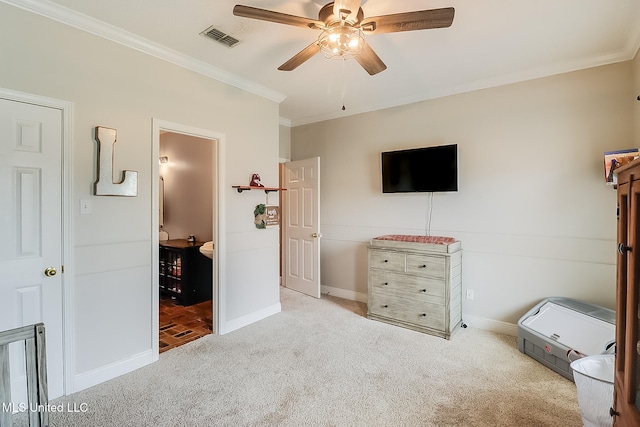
x=370 y=61
x=300 y=57
x=353 y=6
x=278 y=17
x=409 y=21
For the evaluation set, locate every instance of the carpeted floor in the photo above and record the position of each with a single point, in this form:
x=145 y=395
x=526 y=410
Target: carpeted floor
x=323 y=363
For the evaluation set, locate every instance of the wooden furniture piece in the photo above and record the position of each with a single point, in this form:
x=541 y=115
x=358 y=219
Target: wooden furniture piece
x=627 y=367
x=185 y=273
x=416 y=282
x=36 y=373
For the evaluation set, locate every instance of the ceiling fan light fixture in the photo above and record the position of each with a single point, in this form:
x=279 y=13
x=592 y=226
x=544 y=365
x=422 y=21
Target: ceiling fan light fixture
x=341 y=42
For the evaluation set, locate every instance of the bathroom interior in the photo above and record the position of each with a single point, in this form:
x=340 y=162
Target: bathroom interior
x=185 y=191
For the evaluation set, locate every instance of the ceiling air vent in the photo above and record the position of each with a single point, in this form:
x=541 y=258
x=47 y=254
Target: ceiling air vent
x=220 y=37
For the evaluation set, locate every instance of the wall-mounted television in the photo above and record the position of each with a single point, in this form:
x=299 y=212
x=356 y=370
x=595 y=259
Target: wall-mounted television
x=420 y=170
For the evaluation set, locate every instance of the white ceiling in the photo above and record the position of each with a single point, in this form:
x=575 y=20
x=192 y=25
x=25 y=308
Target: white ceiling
x=491 y=42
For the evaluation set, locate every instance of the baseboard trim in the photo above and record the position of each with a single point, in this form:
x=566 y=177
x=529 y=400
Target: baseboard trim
x=345 y=294
x=490 y=325
x=242 y=321
x=112 y=370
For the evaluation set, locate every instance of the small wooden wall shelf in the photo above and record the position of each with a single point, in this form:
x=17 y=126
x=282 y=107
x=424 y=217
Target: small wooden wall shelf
x=267 y=190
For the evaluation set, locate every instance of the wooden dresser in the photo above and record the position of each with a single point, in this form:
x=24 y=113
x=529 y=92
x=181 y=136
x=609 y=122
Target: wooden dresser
x=416 y=282
x=626 y=410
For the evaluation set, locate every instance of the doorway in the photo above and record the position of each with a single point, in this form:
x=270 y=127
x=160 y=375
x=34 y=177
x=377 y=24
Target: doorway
x=186 y=216
x=186 y=225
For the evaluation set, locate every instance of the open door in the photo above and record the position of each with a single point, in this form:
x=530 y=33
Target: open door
x=302 y=226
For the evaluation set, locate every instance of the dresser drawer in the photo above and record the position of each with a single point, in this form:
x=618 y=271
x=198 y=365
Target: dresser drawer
x=415 y=287
x=418 y=288
x=415 y=312
x=387 y=260
x=425 y=265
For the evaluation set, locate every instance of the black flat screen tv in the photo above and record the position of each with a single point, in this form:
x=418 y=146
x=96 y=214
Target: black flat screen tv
x=420 y=170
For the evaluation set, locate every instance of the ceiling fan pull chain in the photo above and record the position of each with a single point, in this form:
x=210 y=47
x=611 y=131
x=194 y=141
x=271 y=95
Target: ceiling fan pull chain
x=344 y=84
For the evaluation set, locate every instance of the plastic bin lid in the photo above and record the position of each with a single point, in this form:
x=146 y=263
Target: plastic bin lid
x=599 y=367
x=574 y=329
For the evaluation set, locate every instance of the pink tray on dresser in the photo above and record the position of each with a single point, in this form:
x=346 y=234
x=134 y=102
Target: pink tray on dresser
x=431 y=243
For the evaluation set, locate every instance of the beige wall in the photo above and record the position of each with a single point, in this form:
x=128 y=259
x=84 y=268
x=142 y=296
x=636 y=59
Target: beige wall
x=115 y=86
x=636 y=95
x=532 y=211
x=285 y=142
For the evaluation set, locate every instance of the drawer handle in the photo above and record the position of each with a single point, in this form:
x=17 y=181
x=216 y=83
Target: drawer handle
x=385 y=306
x=424 y=290
x=424 y=314
x=386 y=260
x=386 y=283
x=423 y=266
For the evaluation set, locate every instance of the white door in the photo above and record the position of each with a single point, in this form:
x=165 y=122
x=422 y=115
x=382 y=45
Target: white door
x=302 y=226
x=31 y=233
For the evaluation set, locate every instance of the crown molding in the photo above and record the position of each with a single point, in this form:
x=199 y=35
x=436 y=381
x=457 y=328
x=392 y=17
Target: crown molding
x=628 y=53
x=91 y=25
x=101 y=29
x=285 y=122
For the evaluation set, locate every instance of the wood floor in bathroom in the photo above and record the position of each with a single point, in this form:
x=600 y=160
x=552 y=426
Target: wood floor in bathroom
x=180 y=325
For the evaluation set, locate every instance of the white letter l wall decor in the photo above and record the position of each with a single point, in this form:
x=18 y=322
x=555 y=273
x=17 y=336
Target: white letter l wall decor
x=104 y=186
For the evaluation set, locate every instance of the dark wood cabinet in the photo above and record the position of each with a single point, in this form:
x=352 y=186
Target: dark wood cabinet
x=185 y=274
x=627 y=367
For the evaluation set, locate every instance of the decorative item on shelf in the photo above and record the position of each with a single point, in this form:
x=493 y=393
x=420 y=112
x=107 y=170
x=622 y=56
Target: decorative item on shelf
x=255 y=181
x=266 y=216
x=255 y=184
x=614 y=159
x=272 y=215
x=191 y=239
x=260 y=215
x=104 y=186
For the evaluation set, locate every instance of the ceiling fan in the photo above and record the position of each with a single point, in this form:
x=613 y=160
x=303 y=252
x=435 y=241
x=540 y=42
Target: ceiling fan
x=343 y=26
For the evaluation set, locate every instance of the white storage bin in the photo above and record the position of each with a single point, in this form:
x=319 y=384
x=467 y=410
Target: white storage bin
x=558 y=329
x=593 y=376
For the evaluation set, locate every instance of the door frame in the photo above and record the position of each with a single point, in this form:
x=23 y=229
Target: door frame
x=219 y=224
x=66 y=181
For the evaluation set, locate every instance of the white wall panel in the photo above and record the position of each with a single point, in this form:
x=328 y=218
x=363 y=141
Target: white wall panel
x=117 y=327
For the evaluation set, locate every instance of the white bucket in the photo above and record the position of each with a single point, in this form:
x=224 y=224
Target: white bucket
x=593 y=376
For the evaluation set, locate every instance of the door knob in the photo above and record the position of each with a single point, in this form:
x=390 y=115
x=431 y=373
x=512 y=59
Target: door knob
x=623 y=249
x=50 y=271
x=316 y=235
